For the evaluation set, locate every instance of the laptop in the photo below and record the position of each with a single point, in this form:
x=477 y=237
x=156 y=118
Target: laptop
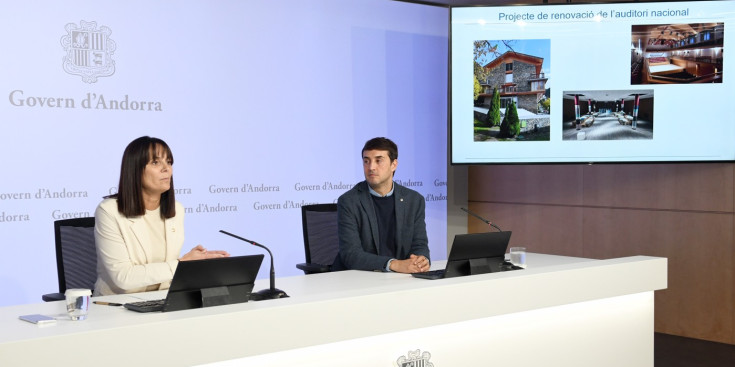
x=472 y=254
x=205 y=283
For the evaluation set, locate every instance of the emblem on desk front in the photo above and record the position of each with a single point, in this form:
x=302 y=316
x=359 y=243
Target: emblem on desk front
x=89 y=51
x=415 y=359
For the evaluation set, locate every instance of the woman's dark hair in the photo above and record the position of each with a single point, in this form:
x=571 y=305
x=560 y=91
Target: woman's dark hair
x=130 y=188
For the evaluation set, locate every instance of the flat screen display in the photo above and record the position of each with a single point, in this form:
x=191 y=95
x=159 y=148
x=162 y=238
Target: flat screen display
x=628 y=82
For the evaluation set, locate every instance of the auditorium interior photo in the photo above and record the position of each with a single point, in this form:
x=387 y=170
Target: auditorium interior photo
x=677 y=53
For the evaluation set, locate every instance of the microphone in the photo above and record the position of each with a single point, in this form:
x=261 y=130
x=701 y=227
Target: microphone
x=272 y=292
x=482 y=219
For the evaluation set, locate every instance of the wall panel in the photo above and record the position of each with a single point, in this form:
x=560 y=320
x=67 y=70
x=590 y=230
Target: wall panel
x=552 y=184
x=690 y=187
x=698 y=300
x=544 y=229
x=684 y=212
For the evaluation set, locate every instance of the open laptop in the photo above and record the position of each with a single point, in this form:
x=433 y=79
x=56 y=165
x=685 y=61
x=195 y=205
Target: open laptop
x=204 y=283
x=472 y=254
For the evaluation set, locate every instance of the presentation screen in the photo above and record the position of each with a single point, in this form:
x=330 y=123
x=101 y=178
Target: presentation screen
x=265 y=104
x=628 y=82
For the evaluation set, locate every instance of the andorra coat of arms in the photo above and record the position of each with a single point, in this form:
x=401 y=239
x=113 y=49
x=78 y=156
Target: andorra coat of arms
x=89 y=51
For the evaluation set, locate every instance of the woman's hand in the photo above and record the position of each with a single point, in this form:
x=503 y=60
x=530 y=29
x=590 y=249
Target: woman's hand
x=199 y=253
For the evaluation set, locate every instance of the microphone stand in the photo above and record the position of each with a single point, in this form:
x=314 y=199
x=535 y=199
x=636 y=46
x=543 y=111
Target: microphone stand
x=269 y=293
x=482 y=219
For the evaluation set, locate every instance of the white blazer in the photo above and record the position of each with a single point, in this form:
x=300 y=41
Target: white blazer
x=124 y=247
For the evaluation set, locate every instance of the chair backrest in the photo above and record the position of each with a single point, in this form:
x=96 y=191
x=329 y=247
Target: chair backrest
x=319 y=222
x=76 y=254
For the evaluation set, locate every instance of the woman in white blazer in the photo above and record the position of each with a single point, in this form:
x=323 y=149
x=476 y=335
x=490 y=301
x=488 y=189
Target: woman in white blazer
x=139 y=232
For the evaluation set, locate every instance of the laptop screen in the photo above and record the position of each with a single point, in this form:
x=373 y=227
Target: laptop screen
x=477 y=253
x=212 y=282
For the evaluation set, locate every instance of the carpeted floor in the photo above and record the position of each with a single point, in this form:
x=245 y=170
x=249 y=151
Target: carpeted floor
x=677 y=351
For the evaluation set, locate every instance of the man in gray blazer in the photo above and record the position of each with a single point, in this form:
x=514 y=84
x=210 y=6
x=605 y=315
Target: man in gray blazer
x=382 y=224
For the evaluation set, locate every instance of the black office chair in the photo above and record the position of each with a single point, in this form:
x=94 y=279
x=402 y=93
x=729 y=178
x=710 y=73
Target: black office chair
x=76 y=256
x=321 y=244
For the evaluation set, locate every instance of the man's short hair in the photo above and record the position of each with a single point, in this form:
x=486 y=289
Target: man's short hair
x=382 y=144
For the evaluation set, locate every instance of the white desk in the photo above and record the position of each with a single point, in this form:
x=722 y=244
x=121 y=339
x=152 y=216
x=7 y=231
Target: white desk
x=559 y=311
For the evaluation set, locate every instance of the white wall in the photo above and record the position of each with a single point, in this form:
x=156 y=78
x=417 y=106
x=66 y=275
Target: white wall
x=278 y=94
